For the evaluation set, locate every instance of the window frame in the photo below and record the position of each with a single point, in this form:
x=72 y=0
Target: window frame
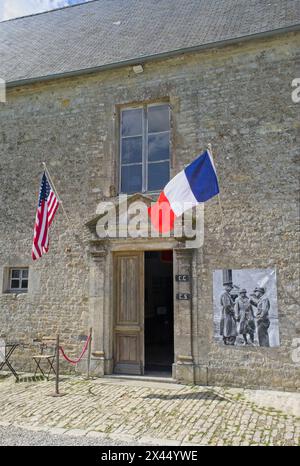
x=20 y=279
x=145 y=136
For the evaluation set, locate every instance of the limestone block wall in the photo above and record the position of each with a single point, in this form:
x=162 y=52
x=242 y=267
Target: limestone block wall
x=239 y=99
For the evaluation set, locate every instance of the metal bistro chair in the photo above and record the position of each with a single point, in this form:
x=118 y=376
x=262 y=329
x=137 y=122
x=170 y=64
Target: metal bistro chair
x=6 y=351
x=47 y=353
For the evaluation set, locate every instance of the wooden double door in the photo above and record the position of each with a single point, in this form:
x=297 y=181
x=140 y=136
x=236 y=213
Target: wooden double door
x=129 y=312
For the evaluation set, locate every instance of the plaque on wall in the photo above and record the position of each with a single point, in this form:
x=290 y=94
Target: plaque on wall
x=245 y=307
x=183 y=296
x=182 y=278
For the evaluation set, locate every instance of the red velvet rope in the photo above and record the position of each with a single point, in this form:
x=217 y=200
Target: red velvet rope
x=72 y=361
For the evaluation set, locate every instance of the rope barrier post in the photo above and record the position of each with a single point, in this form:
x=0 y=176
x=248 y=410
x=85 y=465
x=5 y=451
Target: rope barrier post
x=57 y=366
x=89 y=354
x=57 y=393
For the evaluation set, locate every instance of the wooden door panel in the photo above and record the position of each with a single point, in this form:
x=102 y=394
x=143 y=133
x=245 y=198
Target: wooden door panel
x=129 y=312
x=128 y=360
x=128 y=308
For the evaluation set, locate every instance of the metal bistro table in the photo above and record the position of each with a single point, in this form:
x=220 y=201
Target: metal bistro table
x=9 y=349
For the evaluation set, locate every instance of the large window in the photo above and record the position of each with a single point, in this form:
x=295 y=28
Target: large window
x=145 y=148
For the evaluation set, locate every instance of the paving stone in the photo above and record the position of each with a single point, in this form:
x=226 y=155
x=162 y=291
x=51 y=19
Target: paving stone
x=95 y=434
x=57 y=430
x=122 y=437
x=189 y=444
x=4 y=424
x=159 y=441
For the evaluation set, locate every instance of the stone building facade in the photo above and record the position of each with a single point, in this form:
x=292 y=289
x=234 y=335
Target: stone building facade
x=236 y=97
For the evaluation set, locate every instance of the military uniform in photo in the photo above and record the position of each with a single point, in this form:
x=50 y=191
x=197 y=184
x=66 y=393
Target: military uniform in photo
x=262 y=316
x=245 y=316
x=228 y=322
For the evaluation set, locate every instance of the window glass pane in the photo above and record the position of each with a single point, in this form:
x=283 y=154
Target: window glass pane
x=132 y=122
x=15 y=273
x=24 y=284
x=158 y=118
x=158 y=147
x=158 y=175
x=132 y=150
x=131 y=177
x=15 y=284
x=25 y=273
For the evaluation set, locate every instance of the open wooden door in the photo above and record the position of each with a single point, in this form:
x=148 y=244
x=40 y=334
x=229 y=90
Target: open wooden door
x=129 y=312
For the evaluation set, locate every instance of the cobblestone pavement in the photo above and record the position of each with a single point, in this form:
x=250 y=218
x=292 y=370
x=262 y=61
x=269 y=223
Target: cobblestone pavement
x=152 y=413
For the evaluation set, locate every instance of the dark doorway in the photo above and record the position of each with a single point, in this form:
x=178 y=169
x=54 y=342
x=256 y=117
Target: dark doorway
x=159 y=318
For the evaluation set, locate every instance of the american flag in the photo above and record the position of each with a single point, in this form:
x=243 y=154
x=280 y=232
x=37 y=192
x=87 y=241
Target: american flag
x=48 y=204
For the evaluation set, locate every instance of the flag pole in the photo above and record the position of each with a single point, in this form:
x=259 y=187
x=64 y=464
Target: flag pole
x=58 y=197
x=219 y=197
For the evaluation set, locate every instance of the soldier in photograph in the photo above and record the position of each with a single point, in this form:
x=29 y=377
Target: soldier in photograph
x=245 y=316
x=262 y=303
x=228 y=322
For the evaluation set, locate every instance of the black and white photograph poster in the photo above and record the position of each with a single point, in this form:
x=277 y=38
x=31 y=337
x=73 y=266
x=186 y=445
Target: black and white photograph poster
x=245 y=307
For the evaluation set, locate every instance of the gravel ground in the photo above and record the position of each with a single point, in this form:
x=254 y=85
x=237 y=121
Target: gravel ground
x=13 y=436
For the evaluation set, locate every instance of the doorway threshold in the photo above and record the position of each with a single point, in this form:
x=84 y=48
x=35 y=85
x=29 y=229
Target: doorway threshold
x=161 y=377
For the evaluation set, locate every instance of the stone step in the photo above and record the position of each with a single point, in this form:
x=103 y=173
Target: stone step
x=142 y=380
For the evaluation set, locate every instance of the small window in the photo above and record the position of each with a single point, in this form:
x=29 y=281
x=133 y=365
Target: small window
x=145 y=148
x=18 y=280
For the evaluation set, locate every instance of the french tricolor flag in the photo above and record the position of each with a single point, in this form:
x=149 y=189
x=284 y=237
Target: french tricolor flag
x=197 y=183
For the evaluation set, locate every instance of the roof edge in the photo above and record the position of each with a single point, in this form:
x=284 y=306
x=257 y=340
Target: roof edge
x=148 y=58
x=44 y=12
